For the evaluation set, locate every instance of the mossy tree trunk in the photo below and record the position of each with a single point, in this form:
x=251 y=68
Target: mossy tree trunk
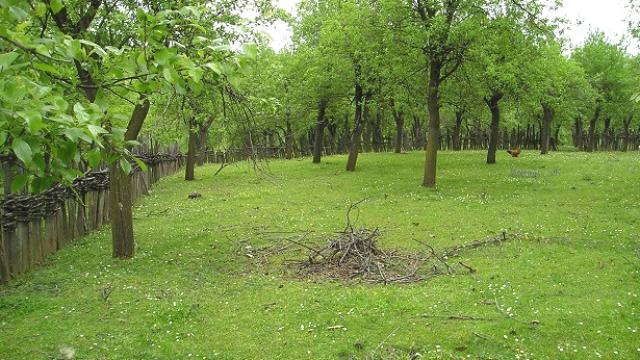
x=356 y=135
x=433 y=139
x=189 y=174
x=398 y=116
x=494 y=106
x=625 y=134
x=457 y=133
x=318 y=136
x=591 y=143
x=288 y=140
x=545 y=132
x=120 y=202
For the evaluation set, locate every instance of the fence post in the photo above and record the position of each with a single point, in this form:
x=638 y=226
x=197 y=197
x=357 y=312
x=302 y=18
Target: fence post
x=5 y=274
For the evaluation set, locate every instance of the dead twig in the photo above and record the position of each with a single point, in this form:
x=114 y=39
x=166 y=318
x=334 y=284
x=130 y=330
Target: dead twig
x=373 y=353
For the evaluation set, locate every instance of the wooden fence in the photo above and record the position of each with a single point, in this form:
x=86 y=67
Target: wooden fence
x=34 y=226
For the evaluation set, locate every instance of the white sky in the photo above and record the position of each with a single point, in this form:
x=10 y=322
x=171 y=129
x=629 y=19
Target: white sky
x=609 y=16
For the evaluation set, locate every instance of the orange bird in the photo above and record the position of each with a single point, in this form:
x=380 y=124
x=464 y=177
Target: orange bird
x=514 y=152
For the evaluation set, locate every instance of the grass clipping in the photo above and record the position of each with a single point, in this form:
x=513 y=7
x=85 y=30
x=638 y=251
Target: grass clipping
x=354 y=254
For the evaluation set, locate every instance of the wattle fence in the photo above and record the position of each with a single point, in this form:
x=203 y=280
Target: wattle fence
x=34 y=226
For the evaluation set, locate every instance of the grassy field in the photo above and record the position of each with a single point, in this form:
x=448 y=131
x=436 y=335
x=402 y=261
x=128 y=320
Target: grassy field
x=566 y=289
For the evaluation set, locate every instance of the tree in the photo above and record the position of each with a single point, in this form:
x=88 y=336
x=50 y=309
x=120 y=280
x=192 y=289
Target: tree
x=502 y=60
x=605 y=66
x=561 y=91
x=114 y=53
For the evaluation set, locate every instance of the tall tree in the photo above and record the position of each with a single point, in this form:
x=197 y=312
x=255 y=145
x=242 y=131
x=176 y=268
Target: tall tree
x=605 y=66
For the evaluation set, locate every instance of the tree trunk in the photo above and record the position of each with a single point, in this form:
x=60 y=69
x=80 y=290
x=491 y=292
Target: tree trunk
x=367 y=128
x=398 y=116
x=332 y=128
x=433 y=139
x=189 y=173
x=288 y=141
x=120 y=202
x=319 y=132
x=203 y=135
x=494 y=107
x=457 y=141
x=345 y=136
x=578 y=136
x=591 y=145
x=419 y=134
x=545 y=133
x=378 y=137
x=354 y=147
x=606 y=136
x=202 y=147
x=625 y=134
x=555 y=140
x=120 y=213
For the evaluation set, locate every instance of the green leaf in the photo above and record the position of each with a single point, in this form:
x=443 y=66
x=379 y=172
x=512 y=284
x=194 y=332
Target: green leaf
x=80 y=112
x=66 y=151
x=33 y=120
x=74 y=134
x=165 y=56
x=195 y=74
x=7 y=59
x=132 y=143
x=125 y=165
x=56 y=6
x=140 y=163
x=11 y=92
x=94 y=157
x=251 y=50
x=74 y=49
x=41 y=183
x=171 y=75
x=19 y=182
x=96 y=48
x=190 y=11
x=41 y=9
x=96 y=130
x=22 y=150
x=215 y=67
x=219 y=48
x=38 y=163
x=17 y=12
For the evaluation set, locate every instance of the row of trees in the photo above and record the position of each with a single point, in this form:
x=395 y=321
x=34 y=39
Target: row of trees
x=364 y=75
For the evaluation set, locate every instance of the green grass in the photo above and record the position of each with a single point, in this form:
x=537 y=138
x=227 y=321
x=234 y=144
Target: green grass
x=191 y=293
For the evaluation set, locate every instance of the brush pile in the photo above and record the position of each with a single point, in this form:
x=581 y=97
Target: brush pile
x=354 y=254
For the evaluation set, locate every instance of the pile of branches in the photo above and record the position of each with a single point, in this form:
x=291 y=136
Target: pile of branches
x=355 y=254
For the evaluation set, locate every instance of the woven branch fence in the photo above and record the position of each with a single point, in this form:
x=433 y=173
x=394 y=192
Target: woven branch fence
x=34 y=226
